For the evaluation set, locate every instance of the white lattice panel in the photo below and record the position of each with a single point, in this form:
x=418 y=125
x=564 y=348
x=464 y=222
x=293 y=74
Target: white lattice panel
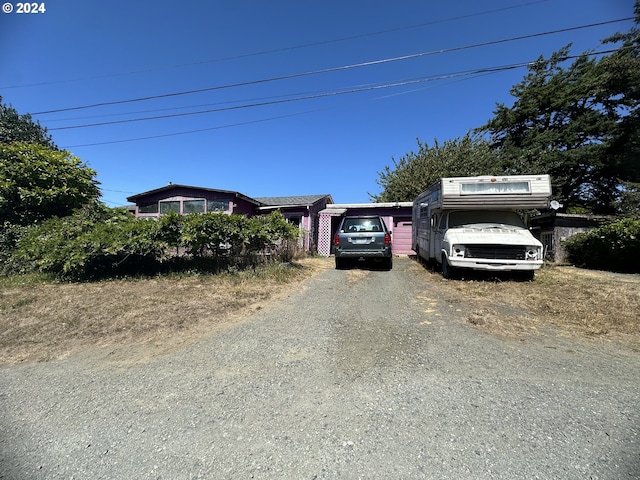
x=324 y=235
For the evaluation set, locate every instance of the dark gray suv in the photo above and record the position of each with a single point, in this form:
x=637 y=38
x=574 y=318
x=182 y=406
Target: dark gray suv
x=363 y=238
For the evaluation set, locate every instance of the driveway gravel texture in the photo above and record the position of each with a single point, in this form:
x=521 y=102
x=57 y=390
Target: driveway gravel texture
x=356 y=374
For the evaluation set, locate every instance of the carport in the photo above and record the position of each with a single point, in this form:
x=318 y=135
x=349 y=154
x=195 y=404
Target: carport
x=396 y=215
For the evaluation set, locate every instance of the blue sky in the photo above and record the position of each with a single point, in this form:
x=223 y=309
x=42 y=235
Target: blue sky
x=283 y=123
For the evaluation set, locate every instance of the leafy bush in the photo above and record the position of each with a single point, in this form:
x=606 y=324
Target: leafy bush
x=98 y=242
x=10 y=235
x=95 y=242
x=239 y=239
x=37 y=183
x=614 y=247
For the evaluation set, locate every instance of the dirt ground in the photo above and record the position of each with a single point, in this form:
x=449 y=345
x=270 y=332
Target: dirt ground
x=144 y=318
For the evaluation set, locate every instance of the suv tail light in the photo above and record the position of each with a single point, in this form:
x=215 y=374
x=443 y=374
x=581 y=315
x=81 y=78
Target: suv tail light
x=387 y=239
x=336 y=239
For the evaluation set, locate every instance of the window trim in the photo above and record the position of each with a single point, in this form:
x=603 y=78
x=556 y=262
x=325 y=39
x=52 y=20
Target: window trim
x=166 y=202
x=185 y=201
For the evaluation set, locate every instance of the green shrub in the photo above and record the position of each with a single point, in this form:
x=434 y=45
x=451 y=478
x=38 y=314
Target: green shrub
x=614 y=247
x=10 y=235
x=99 y=242
x=213 y=234
x=95 y=242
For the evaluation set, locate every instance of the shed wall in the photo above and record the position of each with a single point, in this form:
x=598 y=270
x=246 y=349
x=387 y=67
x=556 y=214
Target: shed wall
x=401 y=237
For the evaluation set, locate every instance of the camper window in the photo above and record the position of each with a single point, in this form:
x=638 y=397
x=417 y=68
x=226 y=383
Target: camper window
x=494 y=188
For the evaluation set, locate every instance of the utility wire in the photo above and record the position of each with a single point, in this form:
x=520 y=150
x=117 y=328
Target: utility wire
x=316 y=96
x=184 y=107
x=279 y=102
x=285 y=49
x=220 y=127
x=483 y=71
x=175 y=134
x=332 y=69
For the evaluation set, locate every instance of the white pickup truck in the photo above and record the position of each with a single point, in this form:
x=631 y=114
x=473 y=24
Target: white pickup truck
x=472 y=223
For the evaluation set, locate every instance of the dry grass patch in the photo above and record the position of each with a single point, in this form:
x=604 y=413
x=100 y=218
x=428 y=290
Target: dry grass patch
x=574 y=302
x=48 y=321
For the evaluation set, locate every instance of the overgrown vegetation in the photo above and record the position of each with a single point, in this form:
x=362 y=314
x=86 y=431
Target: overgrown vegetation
x=614 y=247
x=53 y=222
x=37 y=181
x=99 y=242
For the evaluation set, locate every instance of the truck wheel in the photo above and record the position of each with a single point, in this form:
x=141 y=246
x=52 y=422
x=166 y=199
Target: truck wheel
x=447 y=270
x=389 y=263
x=339 y=264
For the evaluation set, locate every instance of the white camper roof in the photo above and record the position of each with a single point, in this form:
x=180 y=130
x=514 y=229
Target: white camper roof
x=517 y=192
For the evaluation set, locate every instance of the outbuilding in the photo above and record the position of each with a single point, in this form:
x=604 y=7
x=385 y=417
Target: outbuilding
x=553 y=228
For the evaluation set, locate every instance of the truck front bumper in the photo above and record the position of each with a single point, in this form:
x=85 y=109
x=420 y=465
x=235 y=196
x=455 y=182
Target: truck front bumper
x=495 y=265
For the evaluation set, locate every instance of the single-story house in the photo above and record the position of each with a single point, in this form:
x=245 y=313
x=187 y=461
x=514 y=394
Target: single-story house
x=396 y=215
x=184 y=199
x=316 y=215
x=553 y=228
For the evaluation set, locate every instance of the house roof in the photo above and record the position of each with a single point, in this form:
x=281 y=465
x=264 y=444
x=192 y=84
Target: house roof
x=175 y=186
x=293 y=201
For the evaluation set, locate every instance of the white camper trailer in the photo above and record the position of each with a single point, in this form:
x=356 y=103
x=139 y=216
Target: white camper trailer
x=472 y=223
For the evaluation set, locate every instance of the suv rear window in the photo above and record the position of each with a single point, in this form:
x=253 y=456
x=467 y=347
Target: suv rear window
x=362 y=225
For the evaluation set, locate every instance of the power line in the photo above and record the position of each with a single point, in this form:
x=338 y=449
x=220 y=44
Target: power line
x=182 y=107
x=116 y=191
x=332 y=69
x=477 y=72
x=175 y=134
x=285 y=49
x=308 y=97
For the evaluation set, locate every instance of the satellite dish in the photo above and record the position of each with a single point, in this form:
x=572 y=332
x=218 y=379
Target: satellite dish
x=554 y=205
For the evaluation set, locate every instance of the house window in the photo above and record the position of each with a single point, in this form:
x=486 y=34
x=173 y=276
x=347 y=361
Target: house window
x=193 y=206
x=297 y=221
x=148 y=208
x=171 y=206
x=217 y=205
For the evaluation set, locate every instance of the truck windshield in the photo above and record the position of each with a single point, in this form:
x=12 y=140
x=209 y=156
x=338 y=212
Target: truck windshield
x=478 y=218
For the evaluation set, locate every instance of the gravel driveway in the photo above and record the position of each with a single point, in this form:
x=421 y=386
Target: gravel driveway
x=357 y=374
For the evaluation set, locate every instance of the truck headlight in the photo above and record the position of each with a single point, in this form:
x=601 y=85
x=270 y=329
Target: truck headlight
x=457 y=251
x=533 y=253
